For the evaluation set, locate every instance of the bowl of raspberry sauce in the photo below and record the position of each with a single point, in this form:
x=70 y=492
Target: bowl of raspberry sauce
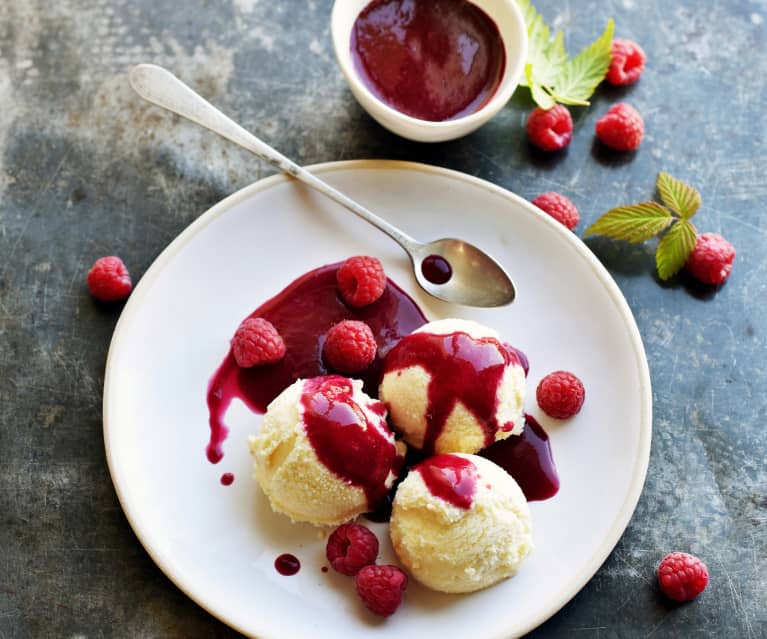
x=430 y=70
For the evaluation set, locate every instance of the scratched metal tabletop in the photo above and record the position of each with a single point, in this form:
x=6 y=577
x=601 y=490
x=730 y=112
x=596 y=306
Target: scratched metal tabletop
x=87 y=169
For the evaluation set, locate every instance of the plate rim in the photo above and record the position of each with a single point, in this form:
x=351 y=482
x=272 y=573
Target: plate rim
x=641 y=464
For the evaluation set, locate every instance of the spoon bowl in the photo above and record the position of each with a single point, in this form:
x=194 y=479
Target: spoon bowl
x=474 y=278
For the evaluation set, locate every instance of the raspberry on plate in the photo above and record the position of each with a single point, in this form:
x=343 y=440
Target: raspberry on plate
x=350 y=347
x=350 y=548
x=257 y=341
x=558 y=207
x=560 y=394
x=627 y=62
x=109 y=280
x=621 y=128
x=361 y=280
x=550 y=130
x=711 y=259
x=682 y=576
x=381 y=588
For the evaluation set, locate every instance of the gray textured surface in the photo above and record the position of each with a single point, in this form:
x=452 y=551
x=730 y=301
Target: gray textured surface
x=86 y=169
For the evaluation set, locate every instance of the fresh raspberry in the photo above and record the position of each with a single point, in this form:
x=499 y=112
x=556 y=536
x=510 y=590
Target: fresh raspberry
x=350 y=347
x=621 y=128
x=109 y=280
x=560 y=394
x=550 y=130
x=558 y=207
x=350 y=548
x=381 y=588
x=256 y=341
x=361 y=280
x=711 y=259
x=627 y=63
x=681 y=576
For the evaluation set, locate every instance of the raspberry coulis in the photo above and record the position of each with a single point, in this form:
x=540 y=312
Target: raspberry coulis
x=287 y=564
x=344 y=440
x=451 y=478
x=302 y=313
x=436 y=269
x=528 y=459
x=433 y=60
x=461 y=369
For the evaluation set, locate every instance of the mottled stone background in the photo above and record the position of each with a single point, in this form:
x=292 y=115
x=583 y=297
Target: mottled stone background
x=87 y=169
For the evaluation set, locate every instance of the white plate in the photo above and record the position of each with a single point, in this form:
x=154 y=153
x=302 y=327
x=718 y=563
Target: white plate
x=218 y=544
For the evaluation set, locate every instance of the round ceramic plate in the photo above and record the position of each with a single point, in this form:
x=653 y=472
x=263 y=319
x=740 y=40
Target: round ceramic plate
x=218 y=543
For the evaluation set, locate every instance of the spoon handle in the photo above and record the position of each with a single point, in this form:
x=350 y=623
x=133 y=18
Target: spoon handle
x=161 y=87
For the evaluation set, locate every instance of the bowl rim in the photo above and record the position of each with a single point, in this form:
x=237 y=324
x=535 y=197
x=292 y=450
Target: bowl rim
x=509 y=79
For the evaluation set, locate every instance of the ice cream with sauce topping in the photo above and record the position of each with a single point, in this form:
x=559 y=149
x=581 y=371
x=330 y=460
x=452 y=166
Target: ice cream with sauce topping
x=324 y=453
x=453 y=386
x=460 y=523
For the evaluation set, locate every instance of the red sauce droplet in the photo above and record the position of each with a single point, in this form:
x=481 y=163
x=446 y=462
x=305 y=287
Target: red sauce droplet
x=451 y=478
x=287 y=564
x=528 y=459
x=461 y=368
x=302 y=313
x=430 y=59
x=227 y=479
x=324 y=569
x=436 y=269
x=345 y=441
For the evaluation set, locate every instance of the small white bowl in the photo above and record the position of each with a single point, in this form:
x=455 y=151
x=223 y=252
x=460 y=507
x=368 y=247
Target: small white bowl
x=511 y=26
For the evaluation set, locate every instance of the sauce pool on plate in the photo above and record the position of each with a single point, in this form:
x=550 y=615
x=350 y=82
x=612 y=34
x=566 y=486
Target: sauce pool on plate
x=430 y=59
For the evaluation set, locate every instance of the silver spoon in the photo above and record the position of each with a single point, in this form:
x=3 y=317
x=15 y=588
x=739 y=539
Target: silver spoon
x=473 y=277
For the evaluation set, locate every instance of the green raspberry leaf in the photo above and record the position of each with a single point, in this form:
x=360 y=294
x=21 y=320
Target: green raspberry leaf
x=541 y=97
x=633 y=223
x=580 y=76
x=538 y=44
x=556 y=56
x=679 y=196
x=674 y=248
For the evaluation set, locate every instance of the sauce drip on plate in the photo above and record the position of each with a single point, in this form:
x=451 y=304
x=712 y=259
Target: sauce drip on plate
x=302 y=313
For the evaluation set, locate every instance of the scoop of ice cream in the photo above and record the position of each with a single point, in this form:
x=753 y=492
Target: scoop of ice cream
x=453 y=386
x=460 y=523
x=324 y=453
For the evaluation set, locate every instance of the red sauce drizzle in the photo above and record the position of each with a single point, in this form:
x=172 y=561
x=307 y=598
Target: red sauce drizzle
x=302 y=313
x=528 y=459
x=344 y=440
x=461 y=368
x=451 y=478
x=227 y=479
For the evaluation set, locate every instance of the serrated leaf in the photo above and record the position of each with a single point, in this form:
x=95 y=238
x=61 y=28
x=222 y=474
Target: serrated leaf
x=545 y=56
x=537 y=35
x=674 y=248
x=541 y=97
x=679 y=196
x=556 y=56
x=633 y=223
x=580 y=75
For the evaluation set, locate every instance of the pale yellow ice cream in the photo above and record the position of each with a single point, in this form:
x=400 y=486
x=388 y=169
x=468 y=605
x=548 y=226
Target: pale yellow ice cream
x=324 y=453
x=458 y=393
x=460 y=525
